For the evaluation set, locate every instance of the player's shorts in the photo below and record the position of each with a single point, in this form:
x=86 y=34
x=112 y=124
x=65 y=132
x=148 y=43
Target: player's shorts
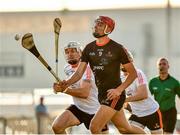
x=83 y=117
x=116 y=103
x=169 y=120
x=152 y=122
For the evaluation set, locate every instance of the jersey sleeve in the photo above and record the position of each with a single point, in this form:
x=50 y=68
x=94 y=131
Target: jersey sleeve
x=141 y=78
x=68 y=70
x=124 y=58
x=84 y=57
x=177 y=88
x=150 y=87
x=87 y=76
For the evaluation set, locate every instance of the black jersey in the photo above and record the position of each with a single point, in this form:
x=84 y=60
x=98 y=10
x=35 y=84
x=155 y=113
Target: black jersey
x=105 y=63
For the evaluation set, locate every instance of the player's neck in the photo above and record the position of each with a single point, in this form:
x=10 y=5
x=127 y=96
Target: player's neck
x=163 y=76
x=75 y=65
x=102 y=41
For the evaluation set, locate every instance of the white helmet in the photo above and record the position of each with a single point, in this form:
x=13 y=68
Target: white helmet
x=73 y=44
x=72 y=60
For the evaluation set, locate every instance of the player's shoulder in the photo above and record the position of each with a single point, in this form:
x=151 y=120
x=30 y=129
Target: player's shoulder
x=90 y=44
x=88 y=74
x=174 y=79
x=141 y=77
x=88 y=70
x=116 y=44
x=139 y=71
x=154 y=79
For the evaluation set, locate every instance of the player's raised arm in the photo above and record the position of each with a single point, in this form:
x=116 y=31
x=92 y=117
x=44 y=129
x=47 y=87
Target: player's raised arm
x=78 y=74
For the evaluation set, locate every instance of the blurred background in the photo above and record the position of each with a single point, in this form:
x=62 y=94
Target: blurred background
x=149 y=29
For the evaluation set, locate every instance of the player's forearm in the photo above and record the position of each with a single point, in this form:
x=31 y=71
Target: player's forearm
x=78 y=92
x=135 y=98
x=128 y=81
x=78 y=74
x=141 y=94
x=74 y=78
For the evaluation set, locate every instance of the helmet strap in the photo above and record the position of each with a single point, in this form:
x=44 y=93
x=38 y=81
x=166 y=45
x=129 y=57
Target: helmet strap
x=105 y=29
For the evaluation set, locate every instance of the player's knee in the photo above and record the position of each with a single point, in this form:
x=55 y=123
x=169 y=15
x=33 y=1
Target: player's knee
x=56 y=128
x=122 y=131
x=94 y=129
x=105 y=132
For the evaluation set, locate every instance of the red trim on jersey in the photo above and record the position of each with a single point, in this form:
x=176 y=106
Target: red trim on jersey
x=106 y=40
x=140 y=78
x=88 y=73
x=160 y=118
x=114 y=102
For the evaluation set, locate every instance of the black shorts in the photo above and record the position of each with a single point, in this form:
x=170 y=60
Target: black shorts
x=116 y=103
x=169 y=120
x=83 y=117
x=152 y=122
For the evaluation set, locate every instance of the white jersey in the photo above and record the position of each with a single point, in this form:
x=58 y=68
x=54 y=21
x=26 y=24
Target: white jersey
x=91 y=104
x=143 y=107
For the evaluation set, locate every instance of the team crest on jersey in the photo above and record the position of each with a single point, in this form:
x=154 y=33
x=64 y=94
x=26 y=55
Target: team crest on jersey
x=109 y=54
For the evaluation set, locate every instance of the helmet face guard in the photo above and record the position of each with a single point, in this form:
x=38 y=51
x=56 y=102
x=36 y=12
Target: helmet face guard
x=106 y=20
x=75 y=52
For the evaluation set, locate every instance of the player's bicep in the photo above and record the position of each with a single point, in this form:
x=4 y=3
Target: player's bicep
x=130 y=68
x=86 y=86
x=142 y=90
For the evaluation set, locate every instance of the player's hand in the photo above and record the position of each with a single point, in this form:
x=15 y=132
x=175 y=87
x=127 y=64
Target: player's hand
x=57 y=88
x=113 y=93
x=60 y=86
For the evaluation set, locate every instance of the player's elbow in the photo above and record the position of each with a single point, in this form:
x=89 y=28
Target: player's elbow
x=133 y=75
x=143 y=91
x=145 y=95
x=85 y=95
x=85 y=91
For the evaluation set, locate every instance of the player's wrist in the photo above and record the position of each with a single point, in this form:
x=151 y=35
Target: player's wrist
x=65 y=90
x=119 y=91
